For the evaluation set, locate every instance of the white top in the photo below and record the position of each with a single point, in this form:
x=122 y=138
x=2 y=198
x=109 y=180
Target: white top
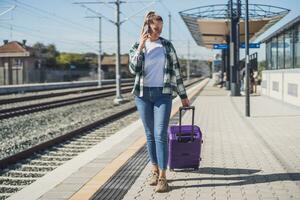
x=154 y=64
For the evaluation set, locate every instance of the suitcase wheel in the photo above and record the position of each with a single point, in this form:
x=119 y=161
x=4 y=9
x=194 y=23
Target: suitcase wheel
x=171 y=170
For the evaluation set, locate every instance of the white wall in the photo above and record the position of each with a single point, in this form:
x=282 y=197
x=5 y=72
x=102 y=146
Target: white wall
x=282 y=85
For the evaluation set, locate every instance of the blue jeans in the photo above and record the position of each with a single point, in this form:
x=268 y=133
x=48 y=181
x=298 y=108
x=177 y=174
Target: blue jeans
x=155 y=109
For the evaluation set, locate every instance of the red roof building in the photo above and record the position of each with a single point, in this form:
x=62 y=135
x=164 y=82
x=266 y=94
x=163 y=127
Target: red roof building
x=16 y=59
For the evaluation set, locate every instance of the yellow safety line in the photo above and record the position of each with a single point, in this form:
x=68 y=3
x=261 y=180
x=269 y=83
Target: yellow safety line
x=109 y=170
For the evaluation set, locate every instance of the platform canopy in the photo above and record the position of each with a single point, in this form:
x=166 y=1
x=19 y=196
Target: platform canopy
x=211 y=24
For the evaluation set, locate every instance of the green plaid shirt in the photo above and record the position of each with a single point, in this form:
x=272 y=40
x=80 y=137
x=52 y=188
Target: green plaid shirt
x=173 y=83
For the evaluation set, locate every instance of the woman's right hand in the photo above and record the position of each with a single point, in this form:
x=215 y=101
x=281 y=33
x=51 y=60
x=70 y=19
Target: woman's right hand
x=185 y=102
x=143 y=39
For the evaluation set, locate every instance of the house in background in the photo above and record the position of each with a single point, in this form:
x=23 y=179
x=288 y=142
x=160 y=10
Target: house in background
x=20 y=64
x=108 y=66
x=17 y=63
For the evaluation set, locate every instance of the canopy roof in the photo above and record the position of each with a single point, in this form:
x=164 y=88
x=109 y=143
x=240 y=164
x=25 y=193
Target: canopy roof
x=211 y=24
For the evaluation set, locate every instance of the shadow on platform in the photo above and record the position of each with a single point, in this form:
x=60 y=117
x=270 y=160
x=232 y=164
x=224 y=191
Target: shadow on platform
x=236 y=180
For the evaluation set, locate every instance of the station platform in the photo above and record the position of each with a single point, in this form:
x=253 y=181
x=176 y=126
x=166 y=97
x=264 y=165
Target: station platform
x=242 y=158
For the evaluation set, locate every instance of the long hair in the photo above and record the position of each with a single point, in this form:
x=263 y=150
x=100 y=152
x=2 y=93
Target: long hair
x=149 y=18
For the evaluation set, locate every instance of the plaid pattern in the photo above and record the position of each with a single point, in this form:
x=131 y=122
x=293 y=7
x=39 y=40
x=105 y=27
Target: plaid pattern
x=173 y=83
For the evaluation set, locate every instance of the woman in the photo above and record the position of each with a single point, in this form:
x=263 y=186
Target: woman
x=157 y=78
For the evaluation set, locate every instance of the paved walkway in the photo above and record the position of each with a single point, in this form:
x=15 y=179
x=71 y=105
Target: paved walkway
x=242 y=158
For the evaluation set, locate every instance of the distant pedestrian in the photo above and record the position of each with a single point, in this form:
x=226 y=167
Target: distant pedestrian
x=154 y=62
x=243 y=78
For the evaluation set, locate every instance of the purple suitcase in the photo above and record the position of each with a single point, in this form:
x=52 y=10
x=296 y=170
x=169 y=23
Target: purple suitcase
x=184 y=144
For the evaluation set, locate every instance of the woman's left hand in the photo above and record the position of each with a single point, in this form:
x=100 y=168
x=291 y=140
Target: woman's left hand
x=185 y=102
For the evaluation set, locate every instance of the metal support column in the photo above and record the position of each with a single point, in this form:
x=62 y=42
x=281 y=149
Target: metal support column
x=227 y=83
x=238 y=82
x=235 y=90
x=247 y=103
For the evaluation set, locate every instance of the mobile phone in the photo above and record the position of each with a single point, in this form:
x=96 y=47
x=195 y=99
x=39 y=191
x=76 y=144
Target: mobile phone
x=147 y=29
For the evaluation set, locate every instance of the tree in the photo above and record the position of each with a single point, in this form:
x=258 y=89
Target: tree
x=65 y=60
x=52 y=58
x=47 y=54
x=51 y=55
x=52 y=51
x=92 y=58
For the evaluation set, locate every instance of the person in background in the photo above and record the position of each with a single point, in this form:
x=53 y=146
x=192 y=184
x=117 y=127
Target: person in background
x=158 y=78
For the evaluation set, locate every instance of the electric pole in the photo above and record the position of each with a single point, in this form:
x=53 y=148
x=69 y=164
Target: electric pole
x=99 y=52
x=99 y=55
x=170 y=30
x=118 y=99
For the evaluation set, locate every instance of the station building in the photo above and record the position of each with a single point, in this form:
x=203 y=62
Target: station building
x=281 y=79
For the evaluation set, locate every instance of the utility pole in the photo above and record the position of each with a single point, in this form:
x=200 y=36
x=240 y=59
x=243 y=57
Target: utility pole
x=170 y=30
x=119 y=97
x=6 y=11
x=247 y=103
x=99 y=55
x=188 y=61
x=99 y=51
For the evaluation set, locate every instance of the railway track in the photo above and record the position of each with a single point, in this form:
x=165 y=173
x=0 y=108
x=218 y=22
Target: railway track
x=27 y=109
x=57 y=94
x=23 y=168
x=32 y=108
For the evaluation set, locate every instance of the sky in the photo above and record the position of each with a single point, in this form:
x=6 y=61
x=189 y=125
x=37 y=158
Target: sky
x=74 y=28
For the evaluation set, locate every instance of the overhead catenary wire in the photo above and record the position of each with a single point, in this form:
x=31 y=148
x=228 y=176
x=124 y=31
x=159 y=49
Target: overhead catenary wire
x=45 y=26
x=110 y=20
x=34 y=11
x=20 y=31
x=8 y=10
x=29 y=10
x=172 y=19
x=180 y=34
x=130 y=34
x=58 y=19
x=65 y=41
x=61 y=18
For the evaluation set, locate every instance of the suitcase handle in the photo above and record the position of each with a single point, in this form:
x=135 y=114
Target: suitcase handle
x=193 y=116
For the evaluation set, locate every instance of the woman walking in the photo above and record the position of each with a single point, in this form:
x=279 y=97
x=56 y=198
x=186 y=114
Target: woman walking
x=154 y=62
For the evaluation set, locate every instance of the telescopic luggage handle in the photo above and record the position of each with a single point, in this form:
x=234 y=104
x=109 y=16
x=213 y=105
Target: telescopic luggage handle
x=193 y=115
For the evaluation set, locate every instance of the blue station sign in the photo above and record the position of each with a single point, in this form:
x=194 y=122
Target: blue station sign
x=242 y=45
x=220 y=46
x=251 y=45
